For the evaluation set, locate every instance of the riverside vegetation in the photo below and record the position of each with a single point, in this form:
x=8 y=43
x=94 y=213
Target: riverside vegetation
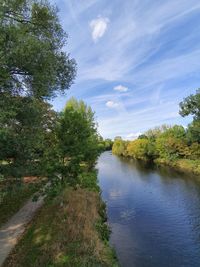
x=171 y=145
x=54 y=153
x=47 y=152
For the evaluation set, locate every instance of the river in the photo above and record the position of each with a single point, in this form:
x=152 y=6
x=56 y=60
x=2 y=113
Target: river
x=154 y=213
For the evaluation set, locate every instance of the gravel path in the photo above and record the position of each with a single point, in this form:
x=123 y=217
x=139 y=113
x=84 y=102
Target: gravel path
x=15 y=227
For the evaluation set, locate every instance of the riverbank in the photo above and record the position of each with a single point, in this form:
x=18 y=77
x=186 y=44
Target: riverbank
x=69 y=230
x=182 y=165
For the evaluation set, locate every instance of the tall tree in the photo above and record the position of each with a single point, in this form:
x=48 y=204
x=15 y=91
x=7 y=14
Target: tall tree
x=33 y=68
x=26 y=124
x=77 y=135
x=191 y=106
x=32 y=60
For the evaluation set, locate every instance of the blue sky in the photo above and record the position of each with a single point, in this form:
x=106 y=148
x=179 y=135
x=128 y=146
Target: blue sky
x=137 y=59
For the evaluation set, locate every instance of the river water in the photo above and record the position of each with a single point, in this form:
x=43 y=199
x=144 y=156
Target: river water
x=154 y=213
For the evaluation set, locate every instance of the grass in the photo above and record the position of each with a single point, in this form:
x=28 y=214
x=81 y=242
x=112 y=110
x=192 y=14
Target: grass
x=184 y=165
x=14 y=193
x=187 y=165
x=68 y=231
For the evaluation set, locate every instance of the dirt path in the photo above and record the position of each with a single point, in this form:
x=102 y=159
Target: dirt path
x=14 y=228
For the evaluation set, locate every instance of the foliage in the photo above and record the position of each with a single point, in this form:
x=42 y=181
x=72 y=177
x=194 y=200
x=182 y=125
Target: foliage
x=168 y=143
x=193 y=131
x=138 y=149
x=156 y=131
x=77 y=137
x=31 y=41
x=89 y=180
x=105 y=145
x=33 y=68
x=26 y=124
x=191 y=106
x=13 y=194
x=172 y=145
x=142 y=136
x=34 y=139
x=119 y=147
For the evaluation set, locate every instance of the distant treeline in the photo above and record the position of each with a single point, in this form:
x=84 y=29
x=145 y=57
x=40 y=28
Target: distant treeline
x=172 y=145
x=105 y=144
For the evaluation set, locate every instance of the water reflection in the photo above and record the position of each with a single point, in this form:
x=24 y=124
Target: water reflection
x=154 y=213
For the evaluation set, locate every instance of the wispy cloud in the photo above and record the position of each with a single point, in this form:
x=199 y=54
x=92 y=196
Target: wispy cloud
x=112 y=104
x=133 y=136
x=144 y=61
x=121 y=88
x=98 y=27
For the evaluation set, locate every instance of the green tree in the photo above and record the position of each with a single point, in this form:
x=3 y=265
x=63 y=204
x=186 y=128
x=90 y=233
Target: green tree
x=157 y=131
x=119 y=147
x=33 y=68
x=138 y=149
x=25 y=126
x=105 y=145
x=32 y=61
x=108 y=144
x=77 y=137
x=191 y=106
x=172 y=143
x=142 y=136
x=193 y=131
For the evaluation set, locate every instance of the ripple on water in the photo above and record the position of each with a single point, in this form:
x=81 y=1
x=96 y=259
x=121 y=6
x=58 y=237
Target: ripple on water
x=154 y=215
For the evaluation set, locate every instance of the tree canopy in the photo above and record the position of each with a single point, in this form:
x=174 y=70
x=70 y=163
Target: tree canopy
x=168 y=144
x=77 y=135
x=32 y=57
x=191 y=106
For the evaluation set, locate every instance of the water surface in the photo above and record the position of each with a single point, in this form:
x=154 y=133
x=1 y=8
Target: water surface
x=154 y=213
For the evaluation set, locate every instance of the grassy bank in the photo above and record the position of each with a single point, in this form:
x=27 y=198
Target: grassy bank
x=183 y=165
x=14 y=193
x=68 y=231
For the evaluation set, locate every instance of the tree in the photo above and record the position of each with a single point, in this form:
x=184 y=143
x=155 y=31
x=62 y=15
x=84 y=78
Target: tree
x=33 y=68
x=157 y=131
x=32 y=61
x=104 y=145
x=193 y=132
x=142 y=136
x=25 y=126
x=191 y=106
x=78 y=138
x=108 y=143
x=138 y=149
x=119 y=147
x=172 y=143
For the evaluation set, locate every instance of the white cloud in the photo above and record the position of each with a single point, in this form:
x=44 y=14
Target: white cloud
x=134 y=52
x=140 y=120
x=133 y=136
x=99 y=27
x=120 y=88
x=132 y=40
x=112 y=104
